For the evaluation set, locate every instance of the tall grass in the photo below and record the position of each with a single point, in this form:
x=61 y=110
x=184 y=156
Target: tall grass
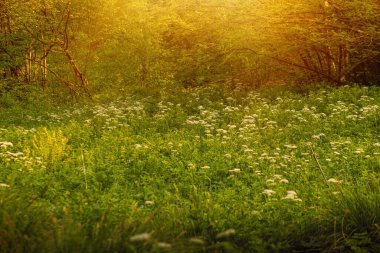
x=205 y=170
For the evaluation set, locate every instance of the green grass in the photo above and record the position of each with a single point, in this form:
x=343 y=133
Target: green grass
x=191 y=171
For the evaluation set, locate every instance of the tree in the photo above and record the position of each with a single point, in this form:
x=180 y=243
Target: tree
x=326 y=40
x=32 y=32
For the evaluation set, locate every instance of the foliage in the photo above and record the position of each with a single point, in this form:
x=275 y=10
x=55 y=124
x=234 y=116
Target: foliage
x=205 y=169
x=100 y=47
x=50 y=146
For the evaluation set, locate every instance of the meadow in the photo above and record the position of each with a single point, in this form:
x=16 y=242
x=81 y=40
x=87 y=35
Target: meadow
x=197 y=170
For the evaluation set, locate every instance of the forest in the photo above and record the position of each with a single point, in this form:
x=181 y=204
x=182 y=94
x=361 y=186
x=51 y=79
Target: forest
x=189 y=126
x=81 y=48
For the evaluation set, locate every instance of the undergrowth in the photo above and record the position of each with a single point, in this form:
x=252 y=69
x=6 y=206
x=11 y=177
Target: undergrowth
x=201 y=170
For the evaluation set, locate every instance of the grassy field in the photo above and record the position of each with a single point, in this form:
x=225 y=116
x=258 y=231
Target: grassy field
x=203 y=170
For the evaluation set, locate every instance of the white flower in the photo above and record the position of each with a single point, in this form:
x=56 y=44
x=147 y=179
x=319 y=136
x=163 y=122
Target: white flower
x=269 y=192
x=197 y=240
x=284 y=181
x=140 y=237
x=164 y=245
x=228 y=156
x=226 y=233
x=290 y=146
x=205 y=167
x=334 y=181
x=235 y=170
x=292 y=195
x=5 y=185
x=149 y=203
x=5 y=144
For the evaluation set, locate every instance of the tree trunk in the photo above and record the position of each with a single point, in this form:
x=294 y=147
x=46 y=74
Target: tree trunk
x=36 y=67
x=77 y=72
x=44 y=68
x=28 y=64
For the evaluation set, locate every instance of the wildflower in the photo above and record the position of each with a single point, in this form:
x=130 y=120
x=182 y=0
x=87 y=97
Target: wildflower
x=140 y=237
x=137 y=146
x=269 y=192
x=228 y=156
x=197 y=240
x=5 y=144
x=284 y=181
x=205 y=167
x=277 y=176
x=376 y=145
x=292 y=195
x=5 y=185
x=334 y=181
x=149 y=203
x=227 y=233
x=17 y=154
x=235 y=170
x=164 y=245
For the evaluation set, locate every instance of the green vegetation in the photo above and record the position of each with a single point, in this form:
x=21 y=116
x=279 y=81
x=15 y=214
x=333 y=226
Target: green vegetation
x=189 y=126
x=75 y=48
x=197 y=170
